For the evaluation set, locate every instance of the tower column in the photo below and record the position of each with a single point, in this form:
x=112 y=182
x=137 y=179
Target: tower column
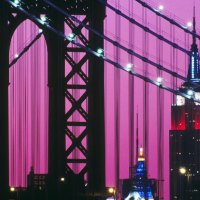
x=96 y=138
x=4 y=82
x=56 y=73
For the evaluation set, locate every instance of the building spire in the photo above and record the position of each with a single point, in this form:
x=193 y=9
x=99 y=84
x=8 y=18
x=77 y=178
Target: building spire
x=194 y=26
x=193 y=70
x=194 y=45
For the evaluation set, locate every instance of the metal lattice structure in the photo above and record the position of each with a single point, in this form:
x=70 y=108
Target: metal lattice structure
x=76 y=68
x=62 y=90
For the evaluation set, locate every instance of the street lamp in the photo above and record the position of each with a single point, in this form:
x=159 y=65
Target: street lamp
x=182 y=170
x=112 y=191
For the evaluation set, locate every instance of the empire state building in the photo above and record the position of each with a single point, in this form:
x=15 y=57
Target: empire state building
x=185 y=134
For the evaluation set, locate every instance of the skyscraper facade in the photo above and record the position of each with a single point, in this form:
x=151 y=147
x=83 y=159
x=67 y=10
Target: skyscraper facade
x=185 y=134
x=139 y=187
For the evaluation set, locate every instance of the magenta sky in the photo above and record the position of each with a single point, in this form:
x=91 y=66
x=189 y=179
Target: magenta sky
x=158 y=52
x=28 y=108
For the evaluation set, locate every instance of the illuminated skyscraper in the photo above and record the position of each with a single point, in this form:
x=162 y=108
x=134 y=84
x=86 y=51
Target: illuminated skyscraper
x=185 y=135
x=139 y=187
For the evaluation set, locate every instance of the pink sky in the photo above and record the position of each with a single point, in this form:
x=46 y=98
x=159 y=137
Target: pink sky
x=115 y=91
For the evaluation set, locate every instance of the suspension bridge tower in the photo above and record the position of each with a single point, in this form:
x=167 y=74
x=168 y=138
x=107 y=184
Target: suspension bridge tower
x=89 y=105
x=185 y=134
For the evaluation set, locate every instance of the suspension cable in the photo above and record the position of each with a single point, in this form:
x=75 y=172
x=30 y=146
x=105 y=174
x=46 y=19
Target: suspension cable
x=129 y=51
x=25 y=49
x=94 y=53
x=171 y=21
x=145 y=28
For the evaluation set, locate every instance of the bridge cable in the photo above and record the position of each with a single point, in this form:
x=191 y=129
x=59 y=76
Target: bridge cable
x=25 y=50
x=145 y=28
x=131 y=99
x=171 y=21
x=130 y=51
x=94 y=53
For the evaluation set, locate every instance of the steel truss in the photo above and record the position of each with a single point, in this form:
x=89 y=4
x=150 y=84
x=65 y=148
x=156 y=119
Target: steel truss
x=77 y=103
x=63 y=89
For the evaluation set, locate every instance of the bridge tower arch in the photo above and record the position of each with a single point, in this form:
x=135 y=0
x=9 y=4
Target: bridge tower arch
x=59 y=86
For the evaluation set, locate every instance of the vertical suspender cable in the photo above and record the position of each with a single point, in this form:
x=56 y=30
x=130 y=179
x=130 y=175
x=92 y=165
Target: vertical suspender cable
x=145 y=90
x=160 y=108
x=117 y=98
x=25 y=118
x=19 y=92
x=145 y=93
x=172 y=60
x=24 y=121
x=131 y=93
x=12 y=117
x=37 y=112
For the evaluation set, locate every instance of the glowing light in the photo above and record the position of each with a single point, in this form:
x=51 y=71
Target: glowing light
x=111 y=190
x=129 y=66
x=16 y=55
x=141 y=159
x=71 y=36
x=197 y=97
x=182 y=170
x=141 y=151
x=40 y=31
x=189 y=24
x=43 y=18
x=16 y=2
x=160 y=7
x=141 y=154
x=12 y=189
x=62 y=179
x=190 y=92
x=180 y=101
x=100 y=51
x=159 y=80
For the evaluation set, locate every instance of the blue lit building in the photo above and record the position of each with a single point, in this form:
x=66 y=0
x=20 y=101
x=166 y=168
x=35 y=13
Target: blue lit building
x=193 y=70
x=139 y=187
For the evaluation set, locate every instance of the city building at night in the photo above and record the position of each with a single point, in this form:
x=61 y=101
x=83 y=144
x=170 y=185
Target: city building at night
x=139 y=187
x=185 y=134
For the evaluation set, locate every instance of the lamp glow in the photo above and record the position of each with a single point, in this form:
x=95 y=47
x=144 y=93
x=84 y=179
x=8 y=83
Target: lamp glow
x=100 y=51
x=111 y=190
x=189 y=24
x=16 y=55
x=182 y=170
x=62 y=179
x=71 y=36
x=160 y=7
x=12 y=189
x=159 y=80
x=43 y=18
x=16 y=2
x=40 y=31
x=129 y=66
x=141 y=152
x=190 y=92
